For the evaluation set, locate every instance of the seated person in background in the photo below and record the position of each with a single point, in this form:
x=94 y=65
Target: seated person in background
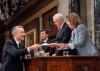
x=64 y=33
x=80 y=37
x=44 y=38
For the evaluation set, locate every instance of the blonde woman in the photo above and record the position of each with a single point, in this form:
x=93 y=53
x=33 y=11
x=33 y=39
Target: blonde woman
x=79 y=38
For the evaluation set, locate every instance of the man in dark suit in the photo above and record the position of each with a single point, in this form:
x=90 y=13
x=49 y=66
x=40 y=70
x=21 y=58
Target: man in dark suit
x=44 y=38
x=64 y=32
x=13 y=51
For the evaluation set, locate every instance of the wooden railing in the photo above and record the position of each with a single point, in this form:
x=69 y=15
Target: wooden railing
x=68 y=63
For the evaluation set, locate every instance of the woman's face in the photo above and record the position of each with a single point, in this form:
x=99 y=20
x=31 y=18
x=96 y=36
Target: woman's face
x=70 y=24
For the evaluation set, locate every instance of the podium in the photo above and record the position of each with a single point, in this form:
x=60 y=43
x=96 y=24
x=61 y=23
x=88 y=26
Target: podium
x=67 y=63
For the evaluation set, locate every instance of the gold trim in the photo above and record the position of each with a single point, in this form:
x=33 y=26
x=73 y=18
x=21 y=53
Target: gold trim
x=35 y=36
x=40 y=12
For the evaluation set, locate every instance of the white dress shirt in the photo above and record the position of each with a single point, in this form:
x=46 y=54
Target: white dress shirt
x=17 y=42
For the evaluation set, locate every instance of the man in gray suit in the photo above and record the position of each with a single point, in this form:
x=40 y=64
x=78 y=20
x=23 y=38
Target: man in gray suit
x=80 y=38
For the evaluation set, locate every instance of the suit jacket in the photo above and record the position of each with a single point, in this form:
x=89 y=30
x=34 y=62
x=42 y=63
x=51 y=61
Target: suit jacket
x=63 y=36
x=48 y=49
x=80 y=40
x=11 y=60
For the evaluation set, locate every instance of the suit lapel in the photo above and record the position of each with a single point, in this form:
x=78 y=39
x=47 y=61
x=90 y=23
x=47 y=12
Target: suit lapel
x=74 y=33
x=21 y=46
x=17 y=46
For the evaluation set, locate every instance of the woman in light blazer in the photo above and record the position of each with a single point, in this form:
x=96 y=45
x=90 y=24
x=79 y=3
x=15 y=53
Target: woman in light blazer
x=79 y=38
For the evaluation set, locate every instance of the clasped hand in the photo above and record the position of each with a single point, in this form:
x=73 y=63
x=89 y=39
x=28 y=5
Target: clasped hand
x=59 y=46
x=63 y=46
x=34 y=47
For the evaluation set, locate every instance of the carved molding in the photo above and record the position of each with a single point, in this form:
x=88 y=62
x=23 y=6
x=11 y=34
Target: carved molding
x=40 y=12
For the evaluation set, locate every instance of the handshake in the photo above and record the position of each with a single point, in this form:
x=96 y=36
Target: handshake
x=33 y=47
x=38 y=46
x=58 y=46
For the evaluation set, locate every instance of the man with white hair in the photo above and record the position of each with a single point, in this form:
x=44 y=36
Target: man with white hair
x=64 y=32
x=58 y=20
x=13 y=51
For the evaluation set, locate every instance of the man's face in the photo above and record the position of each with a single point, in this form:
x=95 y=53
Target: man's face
x=58 y=22
x=43 y=35
x=20 y=33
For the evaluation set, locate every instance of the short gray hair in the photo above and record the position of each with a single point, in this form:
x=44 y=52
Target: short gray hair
x=14 y=30
x=58 y=16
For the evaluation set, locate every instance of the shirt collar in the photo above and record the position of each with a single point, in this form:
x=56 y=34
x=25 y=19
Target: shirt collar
x=62 y=25
x=17 y=42
x=74 y=30
x=45 y=40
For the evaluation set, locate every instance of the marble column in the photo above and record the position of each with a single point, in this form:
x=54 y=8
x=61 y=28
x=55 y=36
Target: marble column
x=90 y=18
x=63 y=7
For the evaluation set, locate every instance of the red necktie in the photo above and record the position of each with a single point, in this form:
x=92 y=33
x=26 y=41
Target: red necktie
x=58 y=30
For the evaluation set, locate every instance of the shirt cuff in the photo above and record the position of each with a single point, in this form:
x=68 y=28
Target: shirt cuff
x=28 y=50
x=71 y=45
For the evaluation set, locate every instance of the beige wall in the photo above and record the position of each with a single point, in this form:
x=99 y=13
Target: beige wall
x=90 y=17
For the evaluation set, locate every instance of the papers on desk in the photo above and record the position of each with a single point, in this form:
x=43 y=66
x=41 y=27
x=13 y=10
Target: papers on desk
x=40 y=53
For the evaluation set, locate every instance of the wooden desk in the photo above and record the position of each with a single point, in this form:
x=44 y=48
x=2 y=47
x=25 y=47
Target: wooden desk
x=70 y=63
